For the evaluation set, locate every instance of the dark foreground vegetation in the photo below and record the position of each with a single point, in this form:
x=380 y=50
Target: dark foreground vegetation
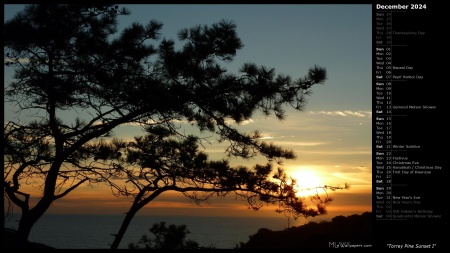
x=354 y=230
x=341 y=230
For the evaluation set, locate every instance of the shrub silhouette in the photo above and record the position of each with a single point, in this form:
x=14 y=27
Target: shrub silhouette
x=171 y=237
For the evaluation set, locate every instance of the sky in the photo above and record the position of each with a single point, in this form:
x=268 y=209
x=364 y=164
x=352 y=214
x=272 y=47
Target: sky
x=332 y=137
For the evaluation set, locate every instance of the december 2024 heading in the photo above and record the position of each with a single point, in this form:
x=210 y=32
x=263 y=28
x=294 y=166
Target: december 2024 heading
x=401 y=6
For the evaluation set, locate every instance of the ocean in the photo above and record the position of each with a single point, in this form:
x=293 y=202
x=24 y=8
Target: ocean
x=81 y=231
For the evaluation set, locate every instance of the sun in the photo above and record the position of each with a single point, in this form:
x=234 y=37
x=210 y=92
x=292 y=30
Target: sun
x=307 y=181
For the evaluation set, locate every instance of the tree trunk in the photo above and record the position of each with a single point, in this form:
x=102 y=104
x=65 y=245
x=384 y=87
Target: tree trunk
x=26 y=223
x=123 y=228
x=138 y=203
x=23 y=231
x=31 y=216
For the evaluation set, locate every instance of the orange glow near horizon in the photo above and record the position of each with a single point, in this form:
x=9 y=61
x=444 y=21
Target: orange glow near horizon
x=98 y=198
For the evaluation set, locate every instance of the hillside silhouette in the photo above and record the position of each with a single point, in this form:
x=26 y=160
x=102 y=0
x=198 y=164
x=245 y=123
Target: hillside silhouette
x=354 y=230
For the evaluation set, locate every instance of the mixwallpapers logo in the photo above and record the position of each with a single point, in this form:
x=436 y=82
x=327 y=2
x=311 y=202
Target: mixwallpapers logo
x=339 y=245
